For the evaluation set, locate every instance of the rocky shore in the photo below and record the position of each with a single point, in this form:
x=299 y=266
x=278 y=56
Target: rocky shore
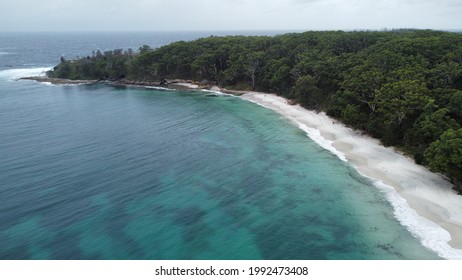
x=178 y=84
x=58 y=81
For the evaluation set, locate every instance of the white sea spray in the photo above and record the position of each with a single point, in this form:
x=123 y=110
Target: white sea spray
x=15 y=74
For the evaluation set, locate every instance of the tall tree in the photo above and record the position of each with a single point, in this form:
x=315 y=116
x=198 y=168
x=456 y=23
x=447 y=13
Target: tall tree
x=445 y=156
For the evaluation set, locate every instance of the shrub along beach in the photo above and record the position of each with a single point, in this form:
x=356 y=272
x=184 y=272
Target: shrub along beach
x=403 y=87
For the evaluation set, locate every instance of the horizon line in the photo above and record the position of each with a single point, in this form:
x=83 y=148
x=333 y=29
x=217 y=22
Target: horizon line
x=230 y=30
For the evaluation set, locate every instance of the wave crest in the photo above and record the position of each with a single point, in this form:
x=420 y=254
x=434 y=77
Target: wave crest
x=15 y=74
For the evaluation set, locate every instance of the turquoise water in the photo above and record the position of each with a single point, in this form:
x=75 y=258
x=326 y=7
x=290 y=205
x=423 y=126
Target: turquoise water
x=94 y=172
x=97 y=172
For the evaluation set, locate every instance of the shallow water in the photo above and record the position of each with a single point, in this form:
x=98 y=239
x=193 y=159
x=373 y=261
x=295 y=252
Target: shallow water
x=96 y=172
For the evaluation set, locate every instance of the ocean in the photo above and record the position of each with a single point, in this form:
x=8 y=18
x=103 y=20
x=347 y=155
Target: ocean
x=99 y=172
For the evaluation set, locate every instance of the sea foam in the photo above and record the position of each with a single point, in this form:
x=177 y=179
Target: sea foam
x=15 y=74
x=313 y=134
x=216 y=92
x=159 y=88
x=430 y=235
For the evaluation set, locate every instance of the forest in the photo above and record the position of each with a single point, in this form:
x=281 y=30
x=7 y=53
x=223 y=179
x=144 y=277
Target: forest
x=403 y=87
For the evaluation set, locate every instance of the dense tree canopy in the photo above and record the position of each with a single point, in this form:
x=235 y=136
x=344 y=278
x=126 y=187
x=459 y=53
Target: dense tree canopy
x=403 y=87
x=445 y=155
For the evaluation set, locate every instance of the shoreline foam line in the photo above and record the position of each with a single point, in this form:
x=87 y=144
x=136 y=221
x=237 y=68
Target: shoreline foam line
x=423 y=202
x=312 y=133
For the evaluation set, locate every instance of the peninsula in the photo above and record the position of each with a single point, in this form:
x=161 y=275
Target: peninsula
x=403 y=87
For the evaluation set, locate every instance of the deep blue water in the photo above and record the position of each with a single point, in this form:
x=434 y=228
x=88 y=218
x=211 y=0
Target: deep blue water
x=96 y=172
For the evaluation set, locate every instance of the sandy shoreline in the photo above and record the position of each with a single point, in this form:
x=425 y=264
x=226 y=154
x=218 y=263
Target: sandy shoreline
x=423 y=201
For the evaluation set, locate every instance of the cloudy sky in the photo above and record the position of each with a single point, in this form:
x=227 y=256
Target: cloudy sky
x=190 y=15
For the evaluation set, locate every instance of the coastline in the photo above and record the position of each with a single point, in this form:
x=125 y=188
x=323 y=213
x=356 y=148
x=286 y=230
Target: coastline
x=423 y=201
x=167 y=84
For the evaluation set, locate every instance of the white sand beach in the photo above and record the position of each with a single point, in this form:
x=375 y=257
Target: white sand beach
x=423 y=201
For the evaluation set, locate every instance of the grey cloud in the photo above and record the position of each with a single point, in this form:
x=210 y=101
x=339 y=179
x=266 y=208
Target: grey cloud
x=228 y=14
x=305 y=1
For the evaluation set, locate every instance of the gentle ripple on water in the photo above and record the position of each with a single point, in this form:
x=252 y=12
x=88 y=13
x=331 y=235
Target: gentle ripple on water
x=94 y=172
